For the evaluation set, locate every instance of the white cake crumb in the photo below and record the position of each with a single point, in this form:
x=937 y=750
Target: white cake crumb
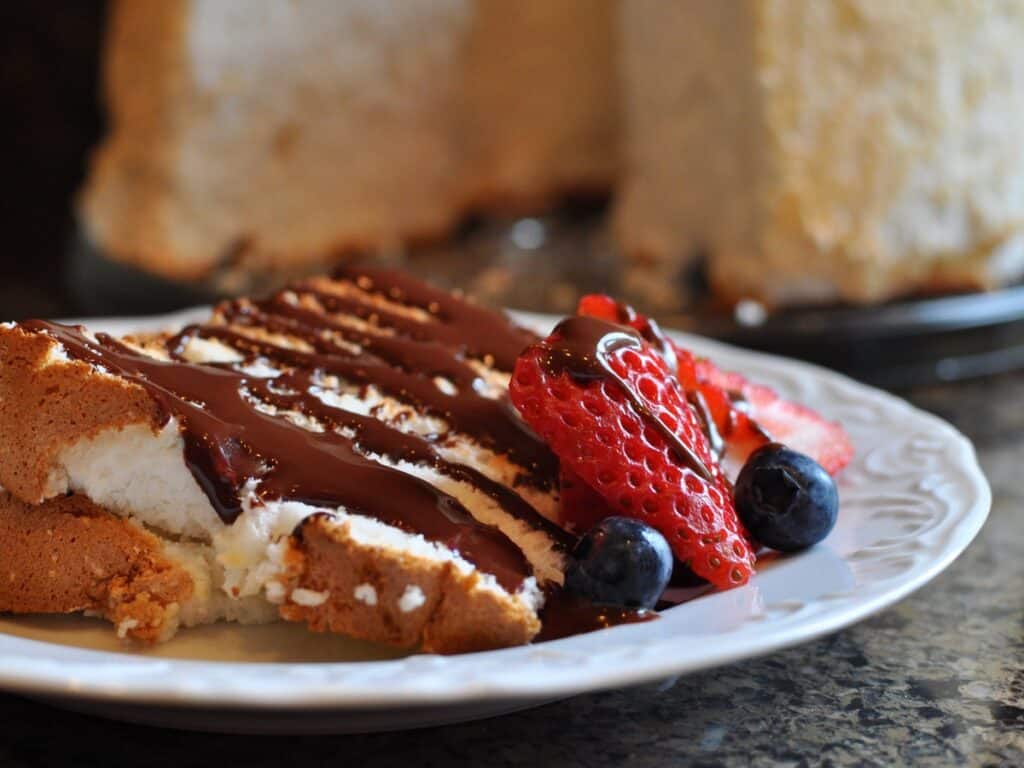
x=275 y=591
x=411 y=599
x=445 y=385
x=309 y=598
x=365 y=593
x=261 y=370
x=210 y=351
x=125 y=627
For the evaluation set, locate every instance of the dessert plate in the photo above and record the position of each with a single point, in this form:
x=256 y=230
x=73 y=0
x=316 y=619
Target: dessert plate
x=911 y=501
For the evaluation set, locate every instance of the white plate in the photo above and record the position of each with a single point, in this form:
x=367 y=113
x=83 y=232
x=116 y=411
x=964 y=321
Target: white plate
x=911 y=501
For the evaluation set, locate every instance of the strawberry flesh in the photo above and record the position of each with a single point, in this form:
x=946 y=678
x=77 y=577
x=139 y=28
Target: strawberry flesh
x=746 y=415
x=630 y=435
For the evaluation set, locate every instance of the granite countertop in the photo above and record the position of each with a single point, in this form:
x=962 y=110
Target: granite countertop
x=936 y=680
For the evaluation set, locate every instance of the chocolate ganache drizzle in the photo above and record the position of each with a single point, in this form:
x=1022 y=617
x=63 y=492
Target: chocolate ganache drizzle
x=239 y=427
x=564 y=615
x=400 y=367
x=651 y=332
x=581 y=347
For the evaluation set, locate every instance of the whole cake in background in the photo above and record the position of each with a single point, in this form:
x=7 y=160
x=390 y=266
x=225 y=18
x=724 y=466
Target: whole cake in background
x=854 y=150
x=257 y=134
x=846 y=150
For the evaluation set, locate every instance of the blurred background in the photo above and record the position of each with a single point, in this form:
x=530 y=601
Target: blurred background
x=840 y=181
x=49 y=65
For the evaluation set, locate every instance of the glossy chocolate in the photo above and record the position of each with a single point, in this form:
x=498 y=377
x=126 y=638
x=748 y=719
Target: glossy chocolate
x=741 y=404
x=581 y=347
x=471 y=330
x=239 y=428
x=400 y=367
x=650 y=332
x=564 y=615
x=707 y=422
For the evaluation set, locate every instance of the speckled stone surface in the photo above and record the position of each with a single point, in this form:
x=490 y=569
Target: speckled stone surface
x=936 y=680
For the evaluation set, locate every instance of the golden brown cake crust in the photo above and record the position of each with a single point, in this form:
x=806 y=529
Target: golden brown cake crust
x=70 y=555
x=47 y=405
x=364 y=588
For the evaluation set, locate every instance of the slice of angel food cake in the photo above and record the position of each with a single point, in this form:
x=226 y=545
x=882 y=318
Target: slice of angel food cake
x=372 y=456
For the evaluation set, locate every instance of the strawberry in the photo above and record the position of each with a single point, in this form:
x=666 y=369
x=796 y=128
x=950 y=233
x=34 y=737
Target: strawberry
x=603 y=307
x=746 y=415
x=582 y=507
x=598 y=432
x=759 y=416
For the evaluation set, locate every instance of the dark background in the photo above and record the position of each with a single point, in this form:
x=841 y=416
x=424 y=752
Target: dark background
x=49 y=68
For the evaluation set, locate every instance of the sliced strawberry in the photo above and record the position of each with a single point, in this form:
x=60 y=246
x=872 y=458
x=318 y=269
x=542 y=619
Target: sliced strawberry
x=581 y=506
x=602 y=307
x=686 y=367
x=741 y=434
x=760 y=416
x=597 y=430
x=746 y=415
x=606 y=308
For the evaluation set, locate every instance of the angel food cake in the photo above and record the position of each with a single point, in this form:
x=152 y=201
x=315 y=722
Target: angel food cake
x=813 y=152
x=371 y=456
x=850 y=150
x=376 y=123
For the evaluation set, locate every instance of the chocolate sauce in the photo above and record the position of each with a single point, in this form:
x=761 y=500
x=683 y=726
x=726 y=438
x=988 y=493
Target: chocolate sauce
x=707 y=422
x=582 y=345
x=489 y=421
x=231 y=440
x=650 y=332
x=742 y=404
x=473 y=330
x=294 y=391
x=564 y=615
x=683 y=587
x=400 y=367
x=581 y=348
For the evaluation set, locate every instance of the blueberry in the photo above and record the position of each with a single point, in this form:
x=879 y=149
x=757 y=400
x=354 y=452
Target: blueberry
x=786 y=499
x=620 y=561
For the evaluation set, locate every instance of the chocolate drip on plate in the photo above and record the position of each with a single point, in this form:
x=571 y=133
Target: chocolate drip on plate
x=564 y=615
